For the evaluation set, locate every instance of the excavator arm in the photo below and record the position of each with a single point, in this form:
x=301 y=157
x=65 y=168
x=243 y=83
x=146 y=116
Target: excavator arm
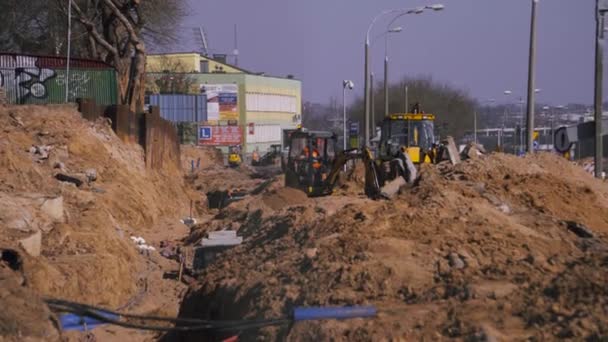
x=372 y=181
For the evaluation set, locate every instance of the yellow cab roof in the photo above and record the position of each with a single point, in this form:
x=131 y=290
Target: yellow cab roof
x=410 y=116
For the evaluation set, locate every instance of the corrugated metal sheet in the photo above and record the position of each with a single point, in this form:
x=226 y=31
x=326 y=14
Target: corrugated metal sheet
x=180 y=108
x=264 y=134
x=33 y=85
x=12 y=60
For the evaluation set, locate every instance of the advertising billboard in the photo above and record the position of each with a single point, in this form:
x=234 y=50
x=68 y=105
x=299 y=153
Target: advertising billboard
x=222 y=101
x=219 y=135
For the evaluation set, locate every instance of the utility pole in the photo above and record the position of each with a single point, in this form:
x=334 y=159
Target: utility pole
x=406 y=99
x=236 y=47
x=531 y=71
x=372 y=108
x=521 y=125
x=386 y=85
x=475 y=126
x=601 y=9
x=366 y=90
x=67 y=65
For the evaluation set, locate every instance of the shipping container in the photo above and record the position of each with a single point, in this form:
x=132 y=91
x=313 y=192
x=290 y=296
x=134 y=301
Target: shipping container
x=28 y=79
x=180 y=108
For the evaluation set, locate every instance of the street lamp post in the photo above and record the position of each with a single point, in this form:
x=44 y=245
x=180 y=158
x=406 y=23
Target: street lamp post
x=521 y=125
x=372 y=104
x=504 y=122
x=366 y=75
x=548 y=110
x=350 y=85
x=67 y=64
x=389 y=30
x=531 y=78
x=489 y=101
x=601 y=9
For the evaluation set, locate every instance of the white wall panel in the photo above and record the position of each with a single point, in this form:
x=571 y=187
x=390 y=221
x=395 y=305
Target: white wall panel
x=271 y=103
x=264 y=134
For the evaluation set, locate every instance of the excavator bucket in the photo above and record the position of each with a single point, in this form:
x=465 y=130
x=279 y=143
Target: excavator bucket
x=408 y=174
x=391 y=188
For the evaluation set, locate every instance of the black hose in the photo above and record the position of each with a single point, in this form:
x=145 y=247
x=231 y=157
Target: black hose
x=192 y=324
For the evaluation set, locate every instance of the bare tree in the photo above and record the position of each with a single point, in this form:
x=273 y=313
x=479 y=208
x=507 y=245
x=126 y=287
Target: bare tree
x=453 y=107
x=117 y=31
x=174 y=78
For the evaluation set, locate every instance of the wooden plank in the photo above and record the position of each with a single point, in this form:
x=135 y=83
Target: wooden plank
x=452 y=150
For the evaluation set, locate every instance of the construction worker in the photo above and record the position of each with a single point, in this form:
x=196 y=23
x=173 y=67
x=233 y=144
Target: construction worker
x=416 y=108
x=305 y=153
x=316 y=159
x=255 y=156
x=316 y=166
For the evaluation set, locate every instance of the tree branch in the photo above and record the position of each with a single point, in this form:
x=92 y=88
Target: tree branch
x=90 y=26
x=133 y=36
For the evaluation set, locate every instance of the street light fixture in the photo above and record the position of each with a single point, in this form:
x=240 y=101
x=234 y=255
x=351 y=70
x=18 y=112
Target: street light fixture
x=346 y=84
x=418 y=10
x=386 y=33
x=436 y=7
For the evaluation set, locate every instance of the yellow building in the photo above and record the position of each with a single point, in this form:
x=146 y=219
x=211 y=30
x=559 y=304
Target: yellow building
x=188 y=62
x=263 y=105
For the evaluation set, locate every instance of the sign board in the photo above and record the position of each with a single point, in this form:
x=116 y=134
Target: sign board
x=354 y=128
x=222 y=101
x=219 y=135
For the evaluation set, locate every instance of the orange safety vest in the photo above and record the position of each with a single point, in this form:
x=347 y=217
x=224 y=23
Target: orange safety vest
x=316 y=162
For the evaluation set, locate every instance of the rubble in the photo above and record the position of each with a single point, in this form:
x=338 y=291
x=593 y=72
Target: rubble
x=467 y=241
x=69 y=179
x=493 y=246
x=67 y=229
x=91 y=175
x=53 y=208
x=32 y=244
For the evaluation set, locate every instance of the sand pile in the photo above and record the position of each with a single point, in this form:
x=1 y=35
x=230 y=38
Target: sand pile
x=74 y=236
x=203 y=157
x=493 y=247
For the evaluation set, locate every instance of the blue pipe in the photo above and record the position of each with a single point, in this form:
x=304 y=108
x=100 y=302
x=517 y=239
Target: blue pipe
x=76 y=322
x=317 y=313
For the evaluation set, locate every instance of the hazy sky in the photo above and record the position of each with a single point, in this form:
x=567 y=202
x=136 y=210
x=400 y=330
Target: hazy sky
x=479 y=45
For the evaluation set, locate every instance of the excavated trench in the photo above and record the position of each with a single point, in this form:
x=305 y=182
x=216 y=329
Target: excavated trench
x=493 y=248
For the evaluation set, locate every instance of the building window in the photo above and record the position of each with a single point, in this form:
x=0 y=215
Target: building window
x=271 y=103
x=204 y=66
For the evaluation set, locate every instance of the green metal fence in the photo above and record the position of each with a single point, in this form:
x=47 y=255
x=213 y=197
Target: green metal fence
x=99 y=85
x=42 y=80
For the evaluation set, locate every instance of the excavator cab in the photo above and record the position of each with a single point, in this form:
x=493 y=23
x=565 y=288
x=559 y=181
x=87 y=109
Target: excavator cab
x=412 y=132
x=234 y=156
x=310 y=160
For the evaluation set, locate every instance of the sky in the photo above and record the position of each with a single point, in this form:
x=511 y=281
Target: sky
x=480 y=46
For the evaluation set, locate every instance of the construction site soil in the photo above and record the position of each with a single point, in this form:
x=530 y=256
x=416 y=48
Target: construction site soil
x=495 y=248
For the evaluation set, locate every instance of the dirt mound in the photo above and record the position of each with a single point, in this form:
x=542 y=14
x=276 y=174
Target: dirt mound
x=466 y=253
x=284 y=197
x=74 y=235
x=203 y=157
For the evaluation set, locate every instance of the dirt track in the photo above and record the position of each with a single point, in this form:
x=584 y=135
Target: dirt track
x=494 y=248
x=480 y=249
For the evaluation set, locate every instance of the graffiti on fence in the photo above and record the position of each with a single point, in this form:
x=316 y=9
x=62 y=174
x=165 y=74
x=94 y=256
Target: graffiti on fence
x=25 y=77
x=77 y=86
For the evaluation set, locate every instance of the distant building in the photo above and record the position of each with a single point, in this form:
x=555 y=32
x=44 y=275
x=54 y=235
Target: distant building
x=261 y=106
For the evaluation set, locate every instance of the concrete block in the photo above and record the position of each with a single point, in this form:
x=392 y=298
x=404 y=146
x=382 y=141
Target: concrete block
x=32 y=244
x=53 y=208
